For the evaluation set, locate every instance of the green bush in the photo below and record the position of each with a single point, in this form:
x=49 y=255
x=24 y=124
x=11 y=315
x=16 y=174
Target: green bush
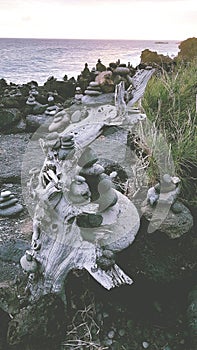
x=170 y=102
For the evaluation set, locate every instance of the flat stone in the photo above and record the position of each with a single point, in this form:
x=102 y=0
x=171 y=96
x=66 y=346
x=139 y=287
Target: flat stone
x=95 y=88
x=52 y=136
x=59 y=123
x=95 y=170
x=11 y=211
x=79 y=179
x=8 y=203
x=76 y=116
x=121 y=70
x=5 y=199
x=92 y=92
x=98 y=100
x=5 y=194
x=94 y=84
x=67 y=137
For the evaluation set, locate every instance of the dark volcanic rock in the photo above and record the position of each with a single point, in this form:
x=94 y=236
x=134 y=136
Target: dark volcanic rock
x=64 y=88
x=9 y=118
x=33 y=122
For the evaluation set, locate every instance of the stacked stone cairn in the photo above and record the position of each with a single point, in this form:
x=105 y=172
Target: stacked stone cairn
x=93 y=89
x=67 y=145
x=60 y=121
x=78 y=95
x=174 y=217
x=100 y=184
x=9 y=205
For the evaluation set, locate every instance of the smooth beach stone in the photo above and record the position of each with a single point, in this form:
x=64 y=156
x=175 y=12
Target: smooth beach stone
x=57 y=119
x=94 y=84
x=107 y=200
x=94 y=170
x=68 y=145
x=11 y=211
x=76 y=116
x=88 y=158
x=79 y=192
x=5 y=194
x=28 y=266
x=59 y=123
x=52 y=108
x=89 y=220
x=121 y=70
x=63 y=153
x=8 y=203
x=104 y=185
x=67 y=137
x=31 y=100
x=79 y=179
x=52 y=136
x=92 y=92
x=98 y=100
x=5 y=199
x=96 y=88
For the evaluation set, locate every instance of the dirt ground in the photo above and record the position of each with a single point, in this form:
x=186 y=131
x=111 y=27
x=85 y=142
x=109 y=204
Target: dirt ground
x=150 y=314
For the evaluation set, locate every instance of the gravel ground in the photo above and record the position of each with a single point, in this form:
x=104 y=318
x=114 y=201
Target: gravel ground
x=148 y=315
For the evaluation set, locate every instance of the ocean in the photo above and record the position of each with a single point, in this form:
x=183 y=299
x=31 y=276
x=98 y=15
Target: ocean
x=23 y=60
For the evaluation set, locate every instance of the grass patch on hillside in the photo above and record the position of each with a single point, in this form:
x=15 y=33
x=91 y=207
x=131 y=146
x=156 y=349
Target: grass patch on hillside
x=170 y=103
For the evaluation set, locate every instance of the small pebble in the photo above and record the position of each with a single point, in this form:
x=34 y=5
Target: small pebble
x=111 y=334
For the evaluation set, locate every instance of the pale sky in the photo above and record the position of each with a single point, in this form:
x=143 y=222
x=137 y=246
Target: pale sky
x=99 y=19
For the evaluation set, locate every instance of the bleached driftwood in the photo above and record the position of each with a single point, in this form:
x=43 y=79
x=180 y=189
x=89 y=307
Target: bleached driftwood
x=59 y=242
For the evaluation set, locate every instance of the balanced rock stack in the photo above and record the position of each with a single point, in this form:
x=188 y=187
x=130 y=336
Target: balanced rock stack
x=60 y=121
x=67 y=145
x=31 y=101
x=100 y=184
x=174 y=217
x=79 y=190
x=9 y=204
x=78 y=95
x=93 y=89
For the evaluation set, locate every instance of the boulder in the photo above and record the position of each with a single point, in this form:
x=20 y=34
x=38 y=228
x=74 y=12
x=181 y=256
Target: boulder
x=176 y=223
x=121 y=71
x=104 y=79
x=60 y=121
x=33 y=122
x=9 y=117
x=64 y=88
x=97 y=100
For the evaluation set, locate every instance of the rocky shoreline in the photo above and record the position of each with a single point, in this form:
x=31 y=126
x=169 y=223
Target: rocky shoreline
x=151 y=314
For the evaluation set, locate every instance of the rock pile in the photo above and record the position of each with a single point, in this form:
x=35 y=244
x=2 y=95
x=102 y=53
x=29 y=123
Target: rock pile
x=174 y=217
x=9 y=204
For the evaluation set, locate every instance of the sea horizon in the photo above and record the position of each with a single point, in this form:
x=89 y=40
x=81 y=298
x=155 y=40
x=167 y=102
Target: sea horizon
x=26 y=59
